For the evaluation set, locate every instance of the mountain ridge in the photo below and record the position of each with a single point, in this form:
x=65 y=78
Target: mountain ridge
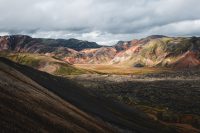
x=152 y=51
x=26 y=43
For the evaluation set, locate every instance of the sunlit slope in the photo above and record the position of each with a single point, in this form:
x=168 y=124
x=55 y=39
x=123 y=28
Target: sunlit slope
x=44 y=63
x=162 y=52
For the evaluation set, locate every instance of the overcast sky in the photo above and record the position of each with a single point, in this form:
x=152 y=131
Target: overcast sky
x=102 y=21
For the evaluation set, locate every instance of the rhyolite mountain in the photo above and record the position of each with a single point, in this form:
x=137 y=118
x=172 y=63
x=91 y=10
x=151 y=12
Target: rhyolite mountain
x=152 y=51
x=23 y=43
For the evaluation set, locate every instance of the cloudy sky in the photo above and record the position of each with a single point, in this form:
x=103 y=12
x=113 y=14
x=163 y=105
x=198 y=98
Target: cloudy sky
x=103 y=21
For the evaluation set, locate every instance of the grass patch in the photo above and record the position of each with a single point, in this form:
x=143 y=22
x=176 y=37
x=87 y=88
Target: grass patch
x=119 y=70
x=67 y=70
x=44 y=63
x=26 y=60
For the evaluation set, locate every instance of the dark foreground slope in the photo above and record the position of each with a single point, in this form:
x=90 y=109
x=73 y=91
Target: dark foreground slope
x=34 y=101
x=26 y=106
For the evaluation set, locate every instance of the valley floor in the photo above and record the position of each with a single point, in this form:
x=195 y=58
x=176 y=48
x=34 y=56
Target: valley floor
x=119 y=69
x=170 y=97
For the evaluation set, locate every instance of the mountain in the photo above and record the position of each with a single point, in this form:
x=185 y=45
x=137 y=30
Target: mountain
x=23 y=43
x=34 y=101
x=152 y=51
x=95 y=56
x=162 y=51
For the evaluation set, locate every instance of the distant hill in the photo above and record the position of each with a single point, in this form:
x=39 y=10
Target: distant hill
x=23 y=43
x=152 y=51
x=161 y=51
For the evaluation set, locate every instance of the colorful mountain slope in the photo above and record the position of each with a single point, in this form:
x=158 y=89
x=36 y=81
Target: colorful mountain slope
x=162 y=52
x=152 y=51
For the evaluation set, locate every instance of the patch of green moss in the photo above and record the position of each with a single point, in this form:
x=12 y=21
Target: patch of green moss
x=65 y=69
x=167 y=40
x=36 y=61
x=25 y=60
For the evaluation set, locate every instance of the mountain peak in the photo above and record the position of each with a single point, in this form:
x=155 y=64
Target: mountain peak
x=155 y=36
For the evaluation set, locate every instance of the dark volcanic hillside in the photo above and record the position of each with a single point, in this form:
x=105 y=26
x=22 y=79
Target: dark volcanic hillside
x=23 y=43
x=25 y=107
x=34 y=101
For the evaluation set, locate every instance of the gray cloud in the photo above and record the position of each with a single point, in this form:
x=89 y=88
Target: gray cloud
x=104 y=21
